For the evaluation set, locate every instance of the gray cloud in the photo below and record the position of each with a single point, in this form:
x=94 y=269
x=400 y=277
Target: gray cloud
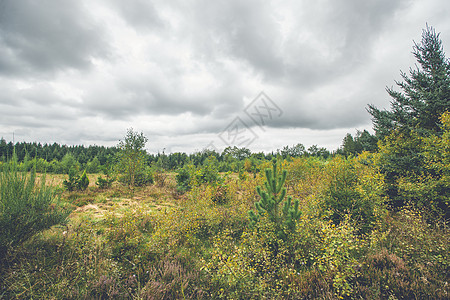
x=37 y=107
x=82 y=72
x=47 y=36
x=325 y=38
x=141 y=14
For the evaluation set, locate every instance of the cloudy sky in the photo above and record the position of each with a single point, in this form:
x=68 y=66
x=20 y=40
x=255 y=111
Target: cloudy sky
x=189 y=74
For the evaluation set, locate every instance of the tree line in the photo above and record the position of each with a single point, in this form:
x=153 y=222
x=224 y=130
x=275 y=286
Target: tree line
x=56 y=158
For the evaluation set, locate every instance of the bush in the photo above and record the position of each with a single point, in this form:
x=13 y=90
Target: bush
x=417 y=169
x=220 y=193
x=25 y=209
x=305 y=176
x=144 y=177
x=83 y=183
x=104 y=183
x=190 y=176
x=160 y=176
x=183 y=178
x=93 y=166
x=208 y=173
x=76 y=182
x=386 y=276
x=428 y=187
x=141 y=177
x=353 y=188
x=318 y=261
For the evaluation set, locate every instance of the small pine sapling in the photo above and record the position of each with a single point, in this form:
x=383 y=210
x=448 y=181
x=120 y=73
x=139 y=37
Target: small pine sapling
x=291 y=213
x=83 y=182
x=71 y=183
x=271 y=197
x=76 y=182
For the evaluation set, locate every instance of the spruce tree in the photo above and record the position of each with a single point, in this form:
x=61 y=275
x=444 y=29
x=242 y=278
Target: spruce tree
x=424 y=95
x=414 y=116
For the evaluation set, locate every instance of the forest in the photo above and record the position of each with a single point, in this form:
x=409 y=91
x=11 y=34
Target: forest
x=366 y=221
x=55 y=158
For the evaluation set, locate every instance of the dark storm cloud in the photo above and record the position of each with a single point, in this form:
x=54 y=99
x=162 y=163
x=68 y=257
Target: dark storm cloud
x=39 y=37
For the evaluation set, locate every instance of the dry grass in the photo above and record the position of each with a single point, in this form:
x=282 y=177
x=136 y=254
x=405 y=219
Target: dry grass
x=96 y=203
x=56 y=180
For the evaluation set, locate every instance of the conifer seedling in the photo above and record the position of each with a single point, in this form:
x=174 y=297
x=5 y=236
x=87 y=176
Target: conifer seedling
x=273 y=194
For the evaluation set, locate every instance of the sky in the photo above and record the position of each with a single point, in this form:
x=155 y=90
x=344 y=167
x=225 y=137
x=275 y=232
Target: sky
x=203 y=74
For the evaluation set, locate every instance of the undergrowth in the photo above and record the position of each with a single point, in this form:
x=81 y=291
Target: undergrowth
x=156 y=243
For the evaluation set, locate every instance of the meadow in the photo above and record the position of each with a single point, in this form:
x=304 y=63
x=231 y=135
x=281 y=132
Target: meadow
x=157 y=242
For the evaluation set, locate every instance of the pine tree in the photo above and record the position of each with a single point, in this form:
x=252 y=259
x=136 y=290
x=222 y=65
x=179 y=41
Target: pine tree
x=26 y=207
x=83 y=182
x=424 y=95
x=271 y=197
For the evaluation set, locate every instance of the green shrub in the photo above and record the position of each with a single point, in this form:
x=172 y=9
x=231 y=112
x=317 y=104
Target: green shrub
x=220 y=194
x=427 y=187
x=71 y=183
x=318 y=261
x=352 y=188
x=104 y=183
x=93 y=166
x=183 y=178
x=144 y=177
x=208 y=173
x=189 y=176
x=83 y=183
x=25 y=209
x=76 y=182
x=141 y=177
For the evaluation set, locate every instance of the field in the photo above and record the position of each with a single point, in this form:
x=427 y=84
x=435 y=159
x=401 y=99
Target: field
x=154 y=242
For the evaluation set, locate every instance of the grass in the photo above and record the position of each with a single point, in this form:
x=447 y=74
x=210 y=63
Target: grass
x=153 y=243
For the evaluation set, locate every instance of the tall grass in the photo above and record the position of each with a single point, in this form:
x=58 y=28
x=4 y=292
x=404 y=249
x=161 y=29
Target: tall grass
x=26 y=207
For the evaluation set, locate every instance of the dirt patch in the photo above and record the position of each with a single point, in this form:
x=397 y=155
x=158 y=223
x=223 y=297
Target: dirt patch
x=87 y=207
